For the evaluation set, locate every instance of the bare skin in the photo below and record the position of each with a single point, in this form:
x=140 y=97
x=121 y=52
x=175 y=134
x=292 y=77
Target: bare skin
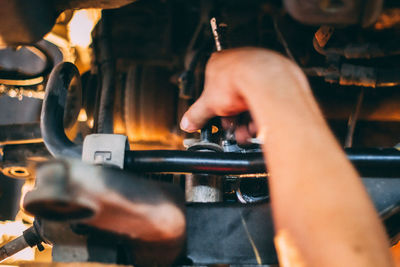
x=322 y=213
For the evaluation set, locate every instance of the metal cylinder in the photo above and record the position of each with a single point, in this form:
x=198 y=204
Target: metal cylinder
x=13 y=247
x=203 y=188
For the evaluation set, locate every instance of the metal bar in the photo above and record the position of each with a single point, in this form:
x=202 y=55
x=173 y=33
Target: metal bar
x=372 y=162
x=13 y=247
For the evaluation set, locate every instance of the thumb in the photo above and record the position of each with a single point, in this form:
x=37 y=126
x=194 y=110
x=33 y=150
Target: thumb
x=197 y=116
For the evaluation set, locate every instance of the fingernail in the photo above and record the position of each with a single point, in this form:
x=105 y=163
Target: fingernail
x=185 y=124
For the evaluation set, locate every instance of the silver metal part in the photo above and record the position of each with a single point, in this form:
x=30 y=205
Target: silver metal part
x=203 y=188
x=214 y=28
x=105 y=149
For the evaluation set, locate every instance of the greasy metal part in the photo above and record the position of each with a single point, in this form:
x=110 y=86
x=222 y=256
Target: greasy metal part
x=16 y=160
x=20 y=133
x=359 y=51
x=203 y=188
x=373 y=162
x=52 y=115
x=351 y=124
x=30 y=238
x=344 y=12
x=13 y=247
x=13 y=155
x=350 y=74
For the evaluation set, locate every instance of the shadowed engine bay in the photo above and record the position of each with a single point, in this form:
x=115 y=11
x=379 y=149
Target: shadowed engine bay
x=91 y=95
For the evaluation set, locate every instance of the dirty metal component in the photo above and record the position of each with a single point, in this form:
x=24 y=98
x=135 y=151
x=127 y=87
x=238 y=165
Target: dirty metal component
x=31 y=237
x=16 y=160
x=372 y=162
x=54 y=104
x=350 y=74
x=353 y=50
x=13 y=247
x=333 y=12
x=19 y=172
x=105 y=149
x=203 y=188
x=20 y=133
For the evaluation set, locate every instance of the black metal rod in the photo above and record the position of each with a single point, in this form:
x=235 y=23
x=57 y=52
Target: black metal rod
x=194 y=162
x=369 y=162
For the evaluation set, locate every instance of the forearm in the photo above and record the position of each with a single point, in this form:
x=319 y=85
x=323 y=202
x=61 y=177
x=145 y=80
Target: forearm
x=320 y=208
x=307 y=166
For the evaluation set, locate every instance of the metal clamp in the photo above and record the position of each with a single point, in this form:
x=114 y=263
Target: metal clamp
x=105 y=149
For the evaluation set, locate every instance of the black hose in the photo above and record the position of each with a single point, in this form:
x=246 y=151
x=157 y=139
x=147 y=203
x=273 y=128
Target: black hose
x=194 y=162
x=369 y=162
x=107 y=69
x=52 y=115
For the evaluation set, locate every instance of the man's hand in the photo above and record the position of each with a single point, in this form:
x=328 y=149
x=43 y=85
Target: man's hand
x=322 y=213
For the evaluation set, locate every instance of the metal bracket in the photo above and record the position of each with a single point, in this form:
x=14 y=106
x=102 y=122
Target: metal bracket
x=105 y=149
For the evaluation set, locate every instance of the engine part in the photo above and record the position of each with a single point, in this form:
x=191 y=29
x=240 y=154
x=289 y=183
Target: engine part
x=350 y=74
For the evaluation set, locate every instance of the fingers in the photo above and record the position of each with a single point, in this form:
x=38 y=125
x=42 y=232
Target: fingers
x=197 y=116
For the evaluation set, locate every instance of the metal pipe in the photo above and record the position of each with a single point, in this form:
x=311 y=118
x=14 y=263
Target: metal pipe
x=52 y=115
x=372 y=162
x=13 y=247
